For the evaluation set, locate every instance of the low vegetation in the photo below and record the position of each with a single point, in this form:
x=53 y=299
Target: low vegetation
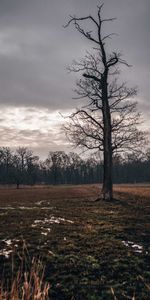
x=90 y=250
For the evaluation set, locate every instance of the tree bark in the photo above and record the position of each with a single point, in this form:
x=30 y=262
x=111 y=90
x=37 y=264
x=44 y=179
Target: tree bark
x=107 y=190
x=107 y=169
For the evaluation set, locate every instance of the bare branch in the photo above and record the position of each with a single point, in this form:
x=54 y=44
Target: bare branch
x=91 y=77
x=74 y=19
x=108 y=36
x=109 y=120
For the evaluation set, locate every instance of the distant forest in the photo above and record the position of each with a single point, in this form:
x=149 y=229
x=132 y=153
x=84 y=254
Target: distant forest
x=23 y=167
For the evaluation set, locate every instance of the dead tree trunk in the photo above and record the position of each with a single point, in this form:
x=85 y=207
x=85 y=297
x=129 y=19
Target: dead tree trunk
x=107 y=191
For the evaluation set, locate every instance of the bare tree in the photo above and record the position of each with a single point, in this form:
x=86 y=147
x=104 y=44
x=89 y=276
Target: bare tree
x=108 y=122
x=21 y=153
x=25 y=163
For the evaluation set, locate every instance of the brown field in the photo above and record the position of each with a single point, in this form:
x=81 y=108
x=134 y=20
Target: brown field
x=90 y=249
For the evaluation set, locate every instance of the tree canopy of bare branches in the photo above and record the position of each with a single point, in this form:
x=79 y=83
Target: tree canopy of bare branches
x=109 y=120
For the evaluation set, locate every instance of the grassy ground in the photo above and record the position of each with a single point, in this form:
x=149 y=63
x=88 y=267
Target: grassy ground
x=92 y=250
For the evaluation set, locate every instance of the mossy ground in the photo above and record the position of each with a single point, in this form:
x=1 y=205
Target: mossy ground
x=88 y=247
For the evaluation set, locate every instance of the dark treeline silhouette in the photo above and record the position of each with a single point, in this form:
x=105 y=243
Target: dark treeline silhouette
x=23 y=167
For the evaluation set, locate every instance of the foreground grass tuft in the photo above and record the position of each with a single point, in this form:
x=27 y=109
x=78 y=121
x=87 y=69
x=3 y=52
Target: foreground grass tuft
x=26 y=285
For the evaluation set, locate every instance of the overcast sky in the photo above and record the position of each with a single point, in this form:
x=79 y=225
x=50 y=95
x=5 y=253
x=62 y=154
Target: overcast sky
x=35 y=51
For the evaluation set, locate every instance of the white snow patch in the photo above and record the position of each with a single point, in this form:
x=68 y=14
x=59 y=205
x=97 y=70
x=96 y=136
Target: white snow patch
x=7 y=208
x=3 y=214
x=23 y=208
x=51 y=253
x=26 y=207
x=43 y=202
x=39 y=202
x=136 y=248
x=44 y=233
x=8 y=249
x=8 y=242
x=44 y=207
x=43 y=224
x=52 y=220
x=5 y=252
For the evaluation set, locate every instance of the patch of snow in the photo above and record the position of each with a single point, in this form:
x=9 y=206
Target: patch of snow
x=44 y=233
x=39 y=202
x=5 y=252
x=52 y=220
x=26 y=207
x=38 y=221
x=23 y=208
x=136 y=248
x=51 y=253
x=8 y=242
x=3 y=214
x=43 y=224
x=7 y=208
x=69 y=221
x=43 y=201
x=8 y=248
x=50 y=208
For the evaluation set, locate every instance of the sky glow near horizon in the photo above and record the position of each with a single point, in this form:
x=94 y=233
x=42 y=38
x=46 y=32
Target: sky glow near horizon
x=35 y=51
x=37 y=129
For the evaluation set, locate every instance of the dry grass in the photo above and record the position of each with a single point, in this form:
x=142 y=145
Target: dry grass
x=79 y=191
x=82 y=242
x=29 y=285
x=140 y=191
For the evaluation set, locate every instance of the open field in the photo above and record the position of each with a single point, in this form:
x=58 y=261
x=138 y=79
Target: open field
x=91 y=249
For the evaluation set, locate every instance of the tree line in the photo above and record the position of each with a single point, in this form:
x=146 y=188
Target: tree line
x=23 y=167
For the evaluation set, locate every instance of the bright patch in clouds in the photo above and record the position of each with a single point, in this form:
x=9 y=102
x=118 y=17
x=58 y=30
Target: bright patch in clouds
x=38 y=129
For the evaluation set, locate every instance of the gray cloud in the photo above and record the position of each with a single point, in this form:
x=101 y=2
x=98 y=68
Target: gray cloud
x=41 y=143
x=37 y=129
x=35 y=50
